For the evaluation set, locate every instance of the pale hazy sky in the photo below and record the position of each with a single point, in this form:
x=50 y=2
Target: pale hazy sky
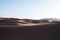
x=32 y=9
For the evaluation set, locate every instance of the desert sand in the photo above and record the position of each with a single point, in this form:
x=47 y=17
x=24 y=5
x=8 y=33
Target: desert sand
x=30 y=31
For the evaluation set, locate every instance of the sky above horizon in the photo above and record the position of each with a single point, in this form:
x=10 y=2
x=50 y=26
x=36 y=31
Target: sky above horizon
x=31 y=9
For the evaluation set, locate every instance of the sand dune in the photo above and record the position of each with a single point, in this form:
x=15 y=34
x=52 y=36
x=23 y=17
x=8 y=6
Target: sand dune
x=14 y=29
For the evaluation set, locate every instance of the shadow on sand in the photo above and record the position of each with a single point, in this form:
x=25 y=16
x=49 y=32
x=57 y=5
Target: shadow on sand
x=44 y=32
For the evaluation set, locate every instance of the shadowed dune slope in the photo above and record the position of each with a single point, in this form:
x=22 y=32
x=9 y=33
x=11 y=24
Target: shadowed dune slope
x=44 y=32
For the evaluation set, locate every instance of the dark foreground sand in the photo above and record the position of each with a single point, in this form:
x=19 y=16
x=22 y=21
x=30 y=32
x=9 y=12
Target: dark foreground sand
x=43 y=32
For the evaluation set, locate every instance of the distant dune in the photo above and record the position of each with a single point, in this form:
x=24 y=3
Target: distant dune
x=7 y=22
